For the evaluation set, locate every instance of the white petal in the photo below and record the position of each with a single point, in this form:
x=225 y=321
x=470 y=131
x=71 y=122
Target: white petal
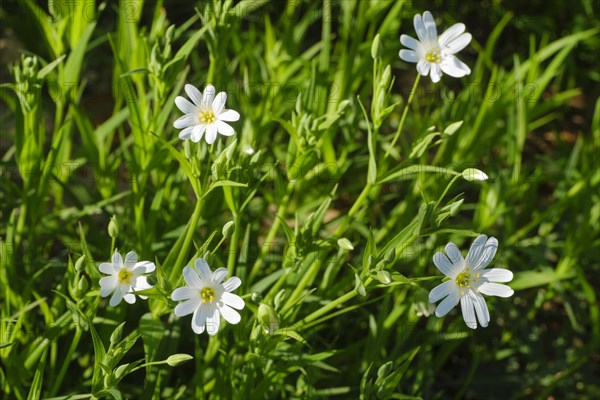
x=233 y=300
x=108 y=285
x=455 y=257
x=443 y=264
x=107 y=268
x=213 y=321
x=409 y=42
x=129 y=298
x=141 y=284
x=230 y=315
x=131 y=258
x=458 y=44
x=423 y=67
x=191 y=278
x=430 y=26
x=497 y=275
x=409 y=56
x=232 y=283
x=144 y=267
x=218 y=103
x=185 y=105
x=476 y=249
x=468 y=311
x=219 y=275
x=488 y=253
x=116 y=298
x=420 y=28
x=199 y=319
x=440 y=291
x=211 y=133
x=448 y=303
x=450 y=34
x=435 y=73
x=483 y=314
x=229 y=116
x=187 y=307
x=117 y=259
x=198 y=132
x=208 y=96
x=194 y=94
x=186 y=133
x=203 y=270
x=495 y=289
x=185 y=121
x=184 y=293
x=224 y=128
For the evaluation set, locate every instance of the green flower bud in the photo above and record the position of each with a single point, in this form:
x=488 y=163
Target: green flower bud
x=473 y=174
x=117 y=333
x=83 y=285
x=384 y=277
x=385 y=369
x=345 y=244
x=268 y=318
x=177 y=359
x=79 y=264
x=113 y=227
x=376 y=48
x=228 y=229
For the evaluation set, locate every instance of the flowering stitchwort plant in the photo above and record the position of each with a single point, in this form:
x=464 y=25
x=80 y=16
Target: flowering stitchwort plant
x=125 y=277
x=208 y=297
x=469 y=280
x=434 y=54
x=205 y=116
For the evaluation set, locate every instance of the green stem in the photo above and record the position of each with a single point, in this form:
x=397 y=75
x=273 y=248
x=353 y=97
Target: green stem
x=446 y=190
x=326 y=308
x=281 y=211
x=404 y=113
x=189 y=235
x=234 y=243
x=355 y=208
x=65 y=364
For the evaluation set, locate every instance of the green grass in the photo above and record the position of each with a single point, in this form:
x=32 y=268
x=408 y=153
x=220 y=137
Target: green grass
x=86 y=134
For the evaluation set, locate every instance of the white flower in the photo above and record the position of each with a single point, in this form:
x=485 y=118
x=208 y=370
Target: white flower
x=435 y=54
x=469 y=280
x=208 y=297
x=125 y=276
x=207 y=114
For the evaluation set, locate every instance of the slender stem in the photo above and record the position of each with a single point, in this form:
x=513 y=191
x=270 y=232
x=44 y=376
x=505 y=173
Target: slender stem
x=281 y=211
x=189 y=235
x=404 y=113
x=326 y=308
x=66 y=362
x=446 y=190
x=234 y=243
x=355 y=208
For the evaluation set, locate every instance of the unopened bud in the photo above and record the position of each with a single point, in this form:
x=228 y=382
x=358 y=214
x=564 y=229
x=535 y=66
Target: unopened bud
x=228 y=229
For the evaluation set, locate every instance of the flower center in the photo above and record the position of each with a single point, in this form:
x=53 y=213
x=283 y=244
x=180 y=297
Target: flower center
x=464 y=279
x=207 y=116
x=433 y=56
x=125 y=276
x=207 y=294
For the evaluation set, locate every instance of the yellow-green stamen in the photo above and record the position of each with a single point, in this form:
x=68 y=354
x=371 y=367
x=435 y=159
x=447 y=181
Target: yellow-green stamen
x=463 y=279
x=433 y=56
x=207 y=116
x=207 y=294
x=124 y=276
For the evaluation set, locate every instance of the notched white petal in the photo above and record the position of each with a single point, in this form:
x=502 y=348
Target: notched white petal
x=497 y=275
x=232 y=283
x=233 y=300
x=495 y=289
x=468 y=311
x=440 y=291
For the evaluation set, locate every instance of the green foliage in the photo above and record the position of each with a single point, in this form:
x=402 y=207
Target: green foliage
x=347 y=172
